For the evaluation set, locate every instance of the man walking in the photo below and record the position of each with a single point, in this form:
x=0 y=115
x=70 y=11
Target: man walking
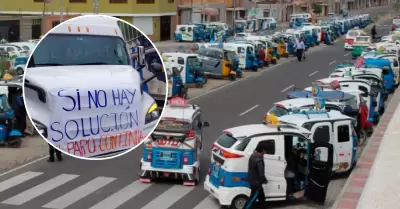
x=256 y=178
x=53 y=150
x=300 y=47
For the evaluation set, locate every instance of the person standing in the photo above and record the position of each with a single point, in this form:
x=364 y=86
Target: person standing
x=300 y=47
x=256 y=178
x=53 y=151
x=373 y=32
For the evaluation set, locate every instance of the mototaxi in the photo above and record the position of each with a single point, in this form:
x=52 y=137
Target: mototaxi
x=359 y=44
x=240 y=26
x=316 y=36
x=332 y=127
x=246 y=54
x=192 y=74
x=226 y=179
x=310 y=39
x=189 y=33
x=372 y=74
x=218 y=62
x=173 y=149
x=257 y=45
x=176 y=87
x=372 y=95
x=267 y=23
x=252 y=25
x=19 y=64
x=387 y=71
x=11 y=98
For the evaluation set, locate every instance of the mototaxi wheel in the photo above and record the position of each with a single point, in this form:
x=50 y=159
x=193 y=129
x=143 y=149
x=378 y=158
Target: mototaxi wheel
x=232 y=77
x=239 y=75
x=273 y=61
x=20 y=71
x=205 y=78
x=255 y=69
x=362 y=137
x=183 y=94
x=239 y=202
x=381 y=110
x=197 y=178
x=278 y=57
x=376 y=119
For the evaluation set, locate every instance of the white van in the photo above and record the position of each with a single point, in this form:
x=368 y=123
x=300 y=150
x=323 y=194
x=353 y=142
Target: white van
x=86 y=92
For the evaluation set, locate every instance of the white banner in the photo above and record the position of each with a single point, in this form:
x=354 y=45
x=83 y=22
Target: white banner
x=89 y=122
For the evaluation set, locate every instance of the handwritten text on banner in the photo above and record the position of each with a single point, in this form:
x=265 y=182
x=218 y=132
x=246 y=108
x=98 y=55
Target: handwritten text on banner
x=90 y=122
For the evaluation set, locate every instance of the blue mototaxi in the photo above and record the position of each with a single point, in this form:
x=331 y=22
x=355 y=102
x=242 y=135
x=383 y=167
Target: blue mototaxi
x=310 y=41
x=387 y=71
x=240 y=26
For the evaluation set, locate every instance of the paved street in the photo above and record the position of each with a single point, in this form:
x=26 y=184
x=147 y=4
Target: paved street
x=111 y=184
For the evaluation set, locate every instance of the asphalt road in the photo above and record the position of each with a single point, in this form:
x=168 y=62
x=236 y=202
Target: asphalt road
x=78 y=184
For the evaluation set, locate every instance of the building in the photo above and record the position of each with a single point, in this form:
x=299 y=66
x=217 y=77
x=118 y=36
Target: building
x=155 y=18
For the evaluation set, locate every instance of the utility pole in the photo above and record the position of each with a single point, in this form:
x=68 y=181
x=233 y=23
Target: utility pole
x=95 y=6
x=61 y=10
x=191 y=11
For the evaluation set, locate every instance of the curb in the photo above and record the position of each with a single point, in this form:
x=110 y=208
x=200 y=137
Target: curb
x=352 y=190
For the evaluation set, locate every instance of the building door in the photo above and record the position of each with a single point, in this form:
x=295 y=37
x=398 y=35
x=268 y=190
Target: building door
x=10 y=30
x=165 y=28
x=36 y=28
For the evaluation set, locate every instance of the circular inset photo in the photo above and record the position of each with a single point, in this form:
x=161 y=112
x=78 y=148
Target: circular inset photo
x=94 y=87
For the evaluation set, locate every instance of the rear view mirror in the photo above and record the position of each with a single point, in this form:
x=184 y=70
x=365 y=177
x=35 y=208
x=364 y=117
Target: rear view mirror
x=141 y=56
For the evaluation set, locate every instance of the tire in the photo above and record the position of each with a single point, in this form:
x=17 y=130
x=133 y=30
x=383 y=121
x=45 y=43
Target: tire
x=197 y=179
x=205 y=78
x=376 y=120
x=362 y=138
x=239 y=75
x=381 y=110
x=20 y=71
x=239 y=202
x=273 y=62
x=183 y=94
x=232 y=77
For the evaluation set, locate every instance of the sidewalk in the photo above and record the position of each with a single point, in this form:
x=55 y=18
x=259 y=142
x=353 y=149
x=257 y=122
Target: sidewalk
x=375 y=182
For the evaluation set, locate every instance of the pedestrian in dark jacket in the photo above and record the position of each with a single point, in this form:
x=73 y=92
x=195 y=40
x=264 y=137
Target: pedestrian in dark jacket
x=256 y=178
x=53 y=151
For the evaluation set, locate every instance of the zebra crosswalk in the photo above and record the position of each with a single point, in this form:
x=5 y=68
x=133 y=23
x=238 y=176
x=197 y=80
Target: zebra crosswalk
x=118 y=199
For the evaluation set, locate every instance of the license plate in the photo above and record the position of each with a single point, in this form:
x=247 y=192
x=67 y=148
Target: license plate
x=166 y=156
x=216 y=170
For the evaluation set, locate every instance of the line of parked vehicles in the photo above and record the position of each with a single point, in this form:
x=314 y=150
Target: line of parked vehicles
x=14 y=56
x=320 y=128
x=191 y=67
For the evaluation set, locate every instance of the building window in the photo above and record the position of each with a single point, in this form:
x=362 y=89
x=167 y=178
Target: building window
x=55 y=23
x=144 y=1
x=118 y=1
x=77 y=1
x=170 y=1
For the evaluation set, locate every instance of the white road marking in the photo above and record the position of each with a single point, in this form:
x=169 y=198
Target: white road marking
x=287 y=88
x=122 y=196
x=16 y=180
x=346 y=54
x=247 y=111
x=40 y=189
x=209 y=202
x=313 y=73
x=23 y=166
x=169 y=197
x=331 y=63
x=79 y=193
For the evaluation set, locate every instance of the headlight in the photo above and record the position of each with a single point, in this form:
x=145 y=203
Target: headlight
x=40 y=127
x=152 y=113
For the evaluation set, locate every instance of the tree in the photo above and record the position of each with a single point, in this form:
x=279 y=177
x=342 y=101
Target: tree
x=317 y=8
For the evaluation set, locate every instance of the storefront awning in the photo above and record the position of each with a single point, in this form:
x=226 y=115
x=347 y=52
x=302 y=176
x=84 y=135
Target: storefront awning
x=209 y=11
